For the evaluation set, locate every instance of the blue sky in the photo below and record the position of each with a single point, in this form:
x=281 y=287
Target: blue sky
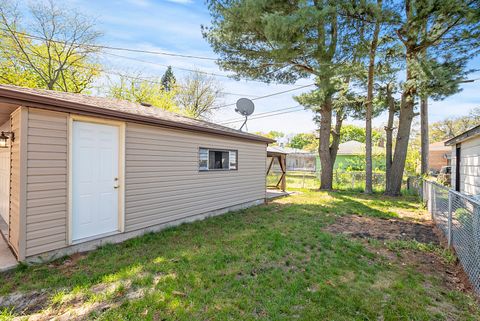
x=174 y=26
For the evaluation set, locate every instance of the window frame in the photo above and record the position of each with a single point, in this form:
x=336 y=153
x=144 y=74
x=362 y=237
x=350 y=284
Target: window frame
x=208 y=159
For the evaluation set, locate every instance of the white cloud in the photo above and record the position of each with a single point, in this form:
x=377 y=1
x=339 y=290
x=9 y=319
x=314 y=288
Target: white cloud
x=140 y=3
x=162 y=26
x=181 y=1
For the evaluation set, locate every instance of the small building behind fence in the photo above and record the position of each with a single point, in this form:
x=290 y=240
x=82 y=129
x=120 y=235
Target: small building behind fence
x=466 y=162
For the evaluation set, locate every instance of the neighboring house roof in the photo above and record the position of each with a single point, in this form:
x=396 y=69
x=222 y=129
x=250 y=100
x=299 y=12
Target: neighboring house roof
x=273 y=151
x=288 y=150
x=439 y=146
x=475 y=131
x=353 y=147
x=116 y=108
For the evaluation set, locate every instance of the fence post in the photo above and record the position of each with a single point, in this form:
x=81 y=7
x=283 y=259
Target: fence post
x=420 y=189
x=449 y=224
x=430 y=200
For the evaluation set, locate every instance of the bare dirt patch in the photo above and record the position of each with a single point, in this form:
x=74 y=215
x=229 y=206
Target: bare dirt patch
x=383 y=229
x=391 y=230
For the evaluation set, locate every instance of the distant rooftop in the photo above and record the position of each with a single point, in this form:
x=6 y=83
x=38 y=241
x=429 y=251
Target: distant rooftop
x=439 y=146
x=353 y=147
x=288 y=150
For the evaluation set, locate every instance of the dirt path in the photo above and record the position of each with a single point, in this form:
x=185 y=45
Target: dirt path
x=393 y=231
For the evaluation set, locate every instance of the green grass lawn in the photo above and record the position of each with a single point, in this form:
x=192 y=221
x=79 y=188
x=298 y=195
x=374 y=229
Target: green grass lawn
x=271 y=262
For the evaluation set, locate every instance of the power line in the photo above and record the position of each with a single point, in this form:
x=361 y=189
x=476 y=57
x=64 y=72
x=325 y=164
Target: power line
x=269 y=95
x=267 y=115
x=180 y=68
x=159 y=83
x=162 y=53
x=264 y=113
x=149 y=62
x=153 y=52
x=143 y=61
x=162 y=65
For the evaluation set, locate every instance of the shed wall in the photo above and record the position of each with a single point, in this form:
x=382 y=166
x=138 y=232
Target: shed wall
x=162 y=181
x=14 y=231
x=5 y=176
x=47 y=181
x=469 y=166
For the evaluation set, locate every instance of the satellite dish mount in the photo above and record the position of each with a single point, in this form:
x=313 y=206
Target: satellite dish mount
x=244 y=107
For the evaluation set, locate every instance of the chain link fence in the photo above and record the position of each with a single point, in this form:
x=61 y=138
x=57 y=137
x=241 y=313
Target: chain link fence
x=458 y=216
x=343 y=180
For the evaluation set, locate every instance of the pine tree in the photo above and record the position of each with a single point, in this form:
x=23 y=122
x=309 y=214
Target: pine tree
x=168 y=79
x=449 y=31
x=283 y=41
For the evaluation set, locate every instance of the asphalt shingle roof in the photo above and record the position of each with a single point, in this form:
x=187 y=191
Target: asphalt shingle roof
x=123 y=106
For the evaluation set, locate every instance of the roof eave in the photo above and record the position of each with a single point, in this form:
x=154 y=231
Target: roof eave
x=33 y=100
x=464 y=136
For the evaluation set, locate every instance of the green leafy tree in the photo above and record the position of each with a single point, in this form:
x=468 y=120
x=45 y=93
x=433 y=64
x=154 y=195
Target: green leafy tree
x=197 y=95
x=375 y=13
x=303 y=141
x=168 y=79
x=352 y=132
x=285 y=41
x=144 y=92
x=60 y=57
x=386 y=87
x=453 y=126
x=273 y=134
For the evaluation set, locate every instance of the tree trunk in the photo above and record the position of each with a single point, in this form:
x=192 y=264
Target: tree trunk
x=389 y=136
x=369 y=107
x=339 y=118
x=424 y=135
x=401 y=144
x=326 y=177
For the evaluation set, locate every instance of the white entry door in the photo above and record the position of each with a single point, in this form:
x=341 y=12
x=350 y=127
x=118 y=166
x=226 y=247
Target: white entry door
x=95 y=175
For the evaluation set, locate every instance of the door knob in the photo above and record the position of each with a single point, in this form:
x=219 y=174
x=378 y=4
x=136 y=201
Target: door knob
x=116 y=186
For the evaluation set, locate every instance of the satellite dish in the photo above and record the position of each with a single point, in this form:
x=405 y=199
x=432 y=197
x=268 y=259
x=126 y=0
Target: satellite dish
x=245 y=107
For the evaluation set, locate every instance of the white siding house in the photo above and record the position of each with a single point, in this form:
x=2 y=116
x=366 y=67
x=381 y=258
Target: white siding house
x=466 y=161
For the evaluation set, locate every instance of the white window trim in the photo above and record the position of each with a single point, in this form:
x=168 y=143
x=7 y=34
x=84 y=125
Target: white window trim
x=208 y=160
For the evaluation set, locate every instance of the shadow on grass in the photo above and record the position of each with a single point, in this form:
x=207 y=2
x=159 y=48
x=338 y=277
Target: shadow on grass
x=268 y=259
x=180 y=242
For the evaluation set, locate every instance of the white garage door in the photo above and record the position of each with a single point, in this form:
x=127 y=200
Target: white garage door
x=94 y=179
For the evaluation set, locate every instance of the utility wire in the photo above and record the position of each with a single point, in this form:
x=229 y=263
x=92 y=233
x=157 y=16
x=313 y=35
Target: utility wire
x=268 y=114
x=183 y=68
x=264 y=113
x=144 y=61
x=162 y=65
x=271 y=115
x=188 y=56
x=162 y=53
x=269 y=95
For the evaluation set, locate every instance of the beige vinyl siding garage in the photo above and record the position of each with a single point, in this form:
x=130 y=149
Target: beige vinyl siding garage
x=16 y=190
x=162 y=178
x=469 y=166
x=47 y=182
x=163 y=181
